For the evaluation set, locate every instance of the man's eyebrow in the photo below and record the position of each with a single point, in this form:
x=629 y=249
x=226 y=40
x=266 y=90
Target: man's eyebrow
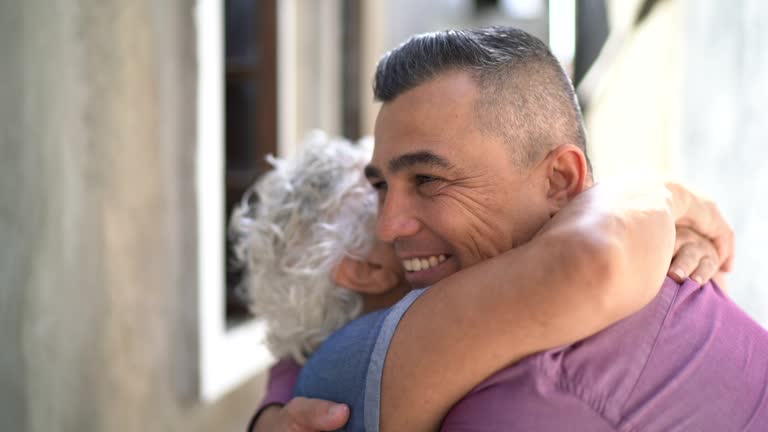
x=425 y=157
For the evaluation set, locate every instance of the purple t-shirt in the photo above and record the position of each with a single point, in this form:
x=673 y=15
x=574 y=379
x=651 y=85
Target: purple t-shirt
x=689 y=361
x=282 y=379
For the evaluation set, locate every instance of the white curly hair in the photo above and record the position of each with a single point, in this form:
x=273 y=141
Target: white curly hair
x=292 y=229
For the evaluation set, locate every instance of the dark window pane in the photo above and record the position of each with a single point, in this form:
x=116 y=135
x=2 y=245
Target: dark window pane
x=241 y=30
x=482 y=5
x=251 y=105
x=242 y=155
x=241 y=124
x=591 y=34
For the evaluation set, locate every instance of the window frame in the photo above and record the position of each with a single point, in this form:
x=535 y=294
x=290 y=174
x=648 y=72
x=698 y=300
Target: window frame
x=226 y=357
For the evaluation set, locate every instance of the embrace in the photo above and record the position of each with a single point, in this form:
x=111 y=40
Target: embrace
x=485 y=283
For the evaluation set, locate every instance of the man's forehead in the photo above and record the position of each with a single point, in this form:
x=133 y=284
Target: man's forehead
x=432 y=122
x=430 y=109
x=414 y=139
x=408 y=146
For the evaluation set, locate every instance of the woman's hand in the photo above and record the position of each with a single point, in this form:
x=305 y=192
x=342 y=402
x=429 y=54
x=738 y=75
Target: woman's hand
x=303 y=415
x=692 y=210
x=695 y=257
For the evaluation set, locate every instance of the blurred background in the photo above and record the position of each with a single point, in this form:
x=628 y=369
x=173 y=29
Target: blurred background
x=128 y=129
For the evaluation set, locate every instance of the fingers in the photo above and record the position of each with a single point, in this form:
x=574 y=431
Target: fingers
x=723 y=239
x=686 y=257
x=310 y=415
x=706 y=269
x=684 y=263
x=720 y=232
x=726 y=246
x=704 y=216
x=696 y=257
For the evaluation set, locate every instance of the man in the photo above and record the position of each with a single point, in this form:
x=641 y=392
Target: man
x=479 y=157
x=304 y=236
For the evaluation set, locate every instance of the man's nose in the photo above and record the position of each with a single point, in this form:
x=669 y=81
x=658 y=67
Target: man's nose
x=396 y=219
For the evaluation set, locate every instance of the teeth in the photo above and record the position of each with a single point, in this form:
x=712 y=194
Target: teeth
x=419 y=264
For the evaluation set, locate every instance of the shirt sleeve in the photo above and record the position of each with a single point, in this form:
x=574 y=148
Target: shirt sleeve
x=544 y=417
x=530 y=403
x=282 y=380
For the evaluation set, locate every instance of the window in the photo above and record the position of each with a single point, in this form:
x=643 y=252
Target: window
x=250 y=126
x=253 y=99
x=227 y=356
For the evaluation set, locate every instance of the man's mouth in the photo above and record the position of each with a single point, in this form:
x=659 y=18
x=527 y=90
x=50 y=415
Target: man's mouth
x=417 y=264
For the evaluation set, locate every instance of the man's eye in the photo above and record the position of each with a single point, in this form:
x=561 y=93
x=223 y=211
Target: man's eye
x=424 y=179
x=379 y=185
x=427 y=180
x=381 y=190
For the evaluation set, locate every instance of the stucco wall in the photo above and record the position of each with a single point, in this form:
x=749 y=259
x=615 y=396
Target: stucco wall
x=725 y=129
x=97 y=223
x=684 y=99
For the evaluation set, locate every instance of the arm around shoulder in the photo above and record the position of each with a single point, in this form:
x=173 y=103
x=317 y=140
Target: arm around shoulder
x=598 y=260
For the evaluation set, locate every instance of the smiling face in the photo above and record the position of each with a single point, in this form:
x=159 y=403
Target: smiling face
x=450 y=195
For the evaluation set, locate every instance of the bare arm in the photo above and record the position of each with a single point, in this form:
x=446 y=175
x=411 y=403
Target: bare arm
x=601 y=258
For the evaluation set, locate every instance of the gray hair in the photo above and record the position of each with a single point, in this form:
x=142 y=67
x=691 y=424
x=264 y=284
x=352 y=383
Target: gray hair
x=292 y=229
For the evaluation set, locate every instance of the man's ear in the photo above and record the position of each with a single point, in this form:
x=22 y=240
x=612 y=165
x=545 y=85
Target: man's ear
x=363 y=277
x=566 y=171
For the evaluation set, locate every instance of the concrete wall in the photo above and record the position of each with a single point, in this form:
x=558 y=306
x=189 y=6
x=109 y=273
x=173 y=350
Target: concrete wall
x=634 y=93
x=684 y=98
x=97 y=223
x=310 y=71
x=725 y=129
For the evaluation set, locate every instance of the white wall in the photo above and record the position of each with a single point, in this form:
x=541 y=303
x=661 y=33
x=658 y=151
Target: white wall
x=684 y=98
x=725 y=129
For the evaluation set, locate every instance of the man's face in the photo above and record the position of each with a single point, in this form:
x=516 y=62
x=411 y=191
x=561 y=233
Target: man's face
x=450 y=195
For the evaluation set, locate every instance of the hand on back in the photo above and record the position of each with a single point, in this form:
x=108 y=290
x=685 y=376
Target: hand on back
x=303 y=415
x=704 y=241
